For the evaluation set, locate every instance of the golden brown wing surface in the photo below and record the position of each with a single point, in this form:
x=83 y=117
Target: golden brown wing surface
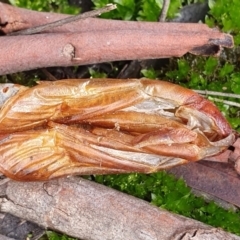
x=100 y=126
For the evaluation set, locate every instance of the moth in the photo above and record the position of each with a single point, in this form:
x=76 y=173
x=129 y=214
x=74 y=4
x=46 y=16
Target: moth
x=103 y=126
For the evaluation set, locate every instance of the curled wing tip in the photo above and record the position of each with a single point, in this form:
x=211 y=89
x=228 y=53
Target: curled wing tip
x=218 y=146
x=187 y=98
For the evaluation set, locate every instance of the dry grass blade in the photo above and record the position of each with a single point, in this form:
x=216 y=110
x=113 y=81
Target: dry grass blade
x=230 y=103
x=164 y=11
x=221 y=94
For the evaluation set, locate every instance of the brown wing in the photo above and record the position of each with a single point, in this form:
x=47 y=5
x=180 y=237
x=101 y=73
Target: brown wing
x=63 y=150
x=121 y=126
x=69 y=101
x=65 y=101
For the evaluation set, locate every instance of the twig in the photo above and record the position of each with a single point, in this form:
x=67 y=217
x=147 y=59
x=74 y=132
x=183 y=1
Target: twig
x=230 y=103
x=61 y=22
x=164 y=11
x=96 y=36
x=48 y=74
x=221 y=94
x=213 y=93
x=45 y=204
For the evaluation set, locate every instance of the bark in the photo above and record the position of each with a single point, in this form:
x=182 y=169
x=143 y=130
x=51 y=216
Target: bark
x=211 y=178
x=97 y=40
x=88 y=210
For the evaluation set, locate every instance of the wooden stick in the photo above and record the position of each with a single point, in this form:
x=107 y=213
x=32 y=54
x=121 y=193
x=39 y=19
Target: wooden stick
x=87 y=210
x=100 y=40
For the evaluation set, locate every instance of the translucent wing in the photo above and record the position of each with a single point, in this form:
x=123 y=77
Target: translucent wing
x=106 y=126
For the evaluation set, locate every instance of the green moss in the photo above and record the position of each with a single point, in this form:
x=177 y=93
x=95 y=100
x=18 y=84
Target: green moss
x=96 y=74
x=125 y=9
x=150 y=73
x=60 y=6
x=21 y=78
x=225 y=14
x=141 y=10
x=55 y=236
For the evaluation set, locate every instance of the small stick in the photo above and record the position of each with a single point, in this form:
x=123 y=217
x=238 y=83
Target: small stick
x=164 y=11
x=48 y=74
x=230 y=103
x=213 y=93
x=61 y=22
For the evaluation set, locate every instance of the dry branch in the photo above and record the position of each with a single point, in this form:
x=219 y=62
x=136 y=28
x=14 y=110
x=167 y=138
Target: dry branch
x=211 y=179
x=97 y=40
x=88 y=210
